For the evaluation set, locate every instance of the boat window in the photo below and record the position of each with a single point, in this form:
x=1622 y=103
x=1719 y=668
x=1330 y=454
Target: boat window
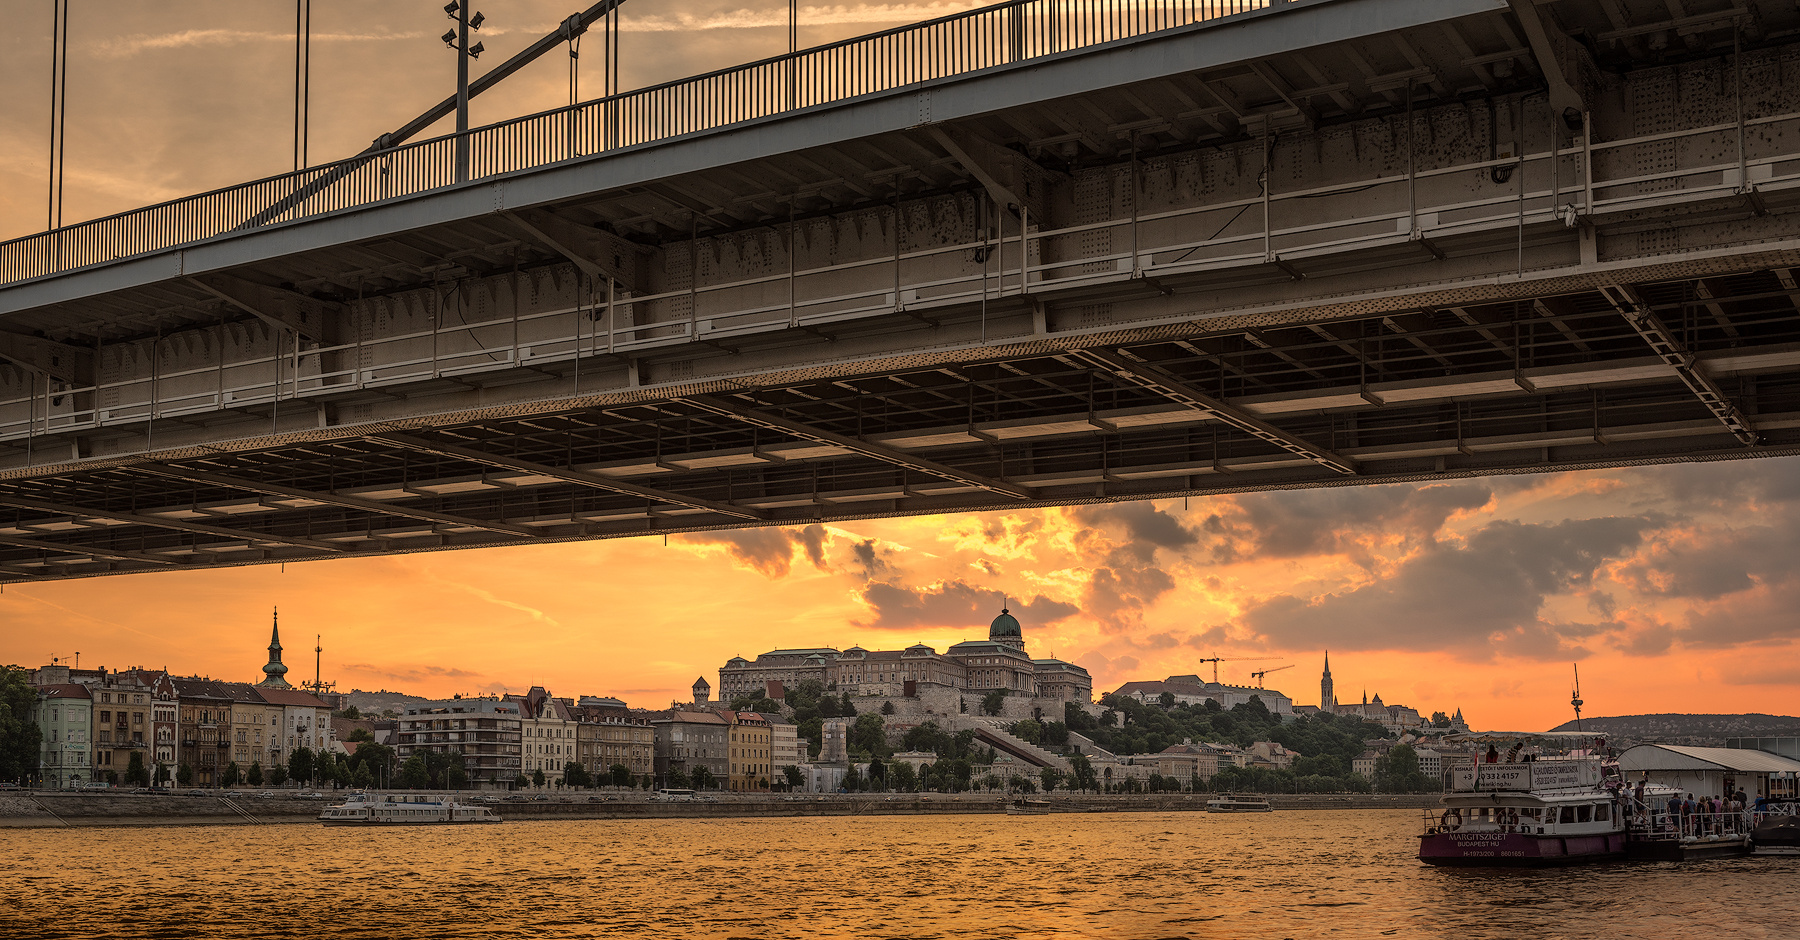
x=1602 y=813
x=1584 y=813
x=1568 y=814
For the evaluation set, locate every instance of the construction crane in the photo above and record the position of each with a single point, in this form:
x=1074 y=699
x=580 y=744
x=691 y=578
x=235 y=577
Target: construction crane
x=1217 y=660
x=1260 y=673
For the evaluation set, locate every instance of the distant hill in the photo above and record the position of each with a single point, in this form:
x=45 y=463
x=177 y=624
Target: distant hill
x=1698 y=730
x=372 y=704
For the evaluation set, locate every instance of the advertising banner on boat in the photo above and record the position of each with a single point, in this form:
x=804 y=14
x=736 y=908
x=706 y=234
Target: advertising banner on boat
x=1504 y=777
x=1551 y=774
x=1538 y=775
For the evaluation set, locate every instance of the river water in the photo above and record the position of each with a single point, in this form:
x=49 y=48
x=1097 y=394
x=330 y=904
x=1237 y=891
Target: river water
x=1347 y=874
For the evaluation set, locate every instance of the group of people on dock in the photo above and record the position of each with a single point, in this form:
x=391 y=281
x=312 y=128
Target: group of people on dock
x=1706 y=816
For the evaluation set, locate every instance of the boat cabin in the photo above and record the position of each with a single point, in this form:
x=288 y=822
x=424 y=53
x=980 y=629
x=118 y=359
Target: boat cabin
x=1573 y=814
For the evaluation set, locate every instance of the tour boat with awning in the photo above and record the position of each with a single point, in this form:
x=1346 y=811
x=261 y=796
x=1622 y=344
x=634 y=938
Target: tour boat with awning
x=401 y=809
x=1527 y=810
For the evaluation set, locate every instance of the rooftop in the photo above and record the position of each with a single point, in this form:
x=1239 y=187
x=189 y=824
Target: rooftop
x=1681 y=757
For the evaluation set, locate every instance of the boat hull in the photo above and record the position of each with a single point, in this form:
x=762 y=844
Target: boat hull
x=1671 y=850
x=1507 y=849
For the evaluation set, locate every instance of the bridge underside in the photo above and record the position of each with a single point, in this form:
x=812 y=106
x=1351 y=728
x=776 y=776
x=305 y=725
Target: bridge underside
x=1386 y=257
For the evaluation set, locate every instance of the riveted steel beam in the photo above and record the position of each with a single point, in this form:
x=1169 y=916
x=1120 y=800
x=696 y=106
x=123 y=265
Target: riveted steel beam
x=98 y=552
x=805 y=432
x=282 y=309
x=331 y=499
x=179 y=525
x=1669 y=349
x=1150 y=377
x=577 y=477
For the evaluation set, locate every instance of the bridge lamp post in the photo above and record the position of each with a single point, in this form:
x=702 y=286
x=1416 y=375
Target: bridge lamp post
x=458 y=39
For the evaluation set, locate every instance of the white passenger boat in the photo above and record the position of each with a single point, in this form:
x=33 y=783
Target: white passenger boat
x=401 y=809
x=1523 y=812
x=1226 y=803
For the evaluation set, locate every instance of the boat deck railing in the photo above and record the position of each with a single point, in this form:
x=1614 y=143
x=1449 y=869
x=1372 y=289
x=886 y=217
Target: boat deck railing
x=1664 y=826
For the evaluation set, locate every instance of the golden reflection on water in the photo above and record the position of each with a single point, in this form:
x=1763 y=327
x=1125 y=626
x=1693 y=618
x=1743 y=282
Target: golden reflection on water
x=1344 y=874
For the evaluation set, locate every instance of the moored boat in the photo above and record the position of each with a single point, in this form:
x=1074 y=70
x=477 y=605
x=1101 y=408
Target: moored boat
x=1029 y=808
x=1776 y=835
x=1550 y=811
x=392 y=809
x=1227 y=803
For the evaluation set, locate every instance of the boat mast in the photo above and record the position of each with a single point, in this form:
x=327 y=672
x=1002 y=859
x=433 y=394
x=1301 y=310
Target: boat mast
x=1575 y=696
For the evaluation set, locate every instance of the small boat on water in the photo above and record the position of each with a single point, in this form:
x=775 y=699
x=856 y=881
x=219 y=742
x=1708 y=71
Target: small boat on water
x=399 y=809
x=1227 y=803
x=1776 y=835
x=1029 y=808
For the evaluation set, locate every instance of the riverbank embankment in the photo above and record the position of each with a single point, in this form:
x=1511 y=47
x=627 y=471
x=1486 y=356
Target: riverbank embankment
x=63 y=809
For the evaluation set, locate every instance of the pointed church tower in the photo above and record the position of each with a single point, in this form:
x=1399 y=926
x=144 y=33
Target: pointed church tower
x=1327 y=697
x=274 y=670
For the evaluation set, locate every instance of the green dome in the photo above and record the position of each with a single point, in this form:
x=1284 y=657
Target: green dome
x=1005 y=627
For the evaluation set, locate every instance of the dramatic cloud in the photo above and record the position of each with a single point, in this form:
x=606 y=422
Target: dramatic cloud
x=1353 y=521
x=952 y=605
x=1145 y=527
x=767 y=551
x=409 y=673
x=868 y=559
x=1486 y=589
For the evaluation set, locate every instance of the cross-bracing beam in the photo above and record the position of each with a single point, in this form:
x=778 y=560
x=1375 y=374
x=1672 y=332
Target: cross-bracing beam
x=68 y=549
x=179 y=525
x=330 y=499
x=763 y=419
x=1632 y=307
x=282 y=309
x=567 y=475
x=1162 y=383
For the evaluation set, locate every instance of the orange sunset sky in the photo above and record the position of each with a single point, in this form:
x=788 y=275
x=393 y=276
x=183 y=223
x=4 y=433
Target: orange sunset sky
x=1676 y=588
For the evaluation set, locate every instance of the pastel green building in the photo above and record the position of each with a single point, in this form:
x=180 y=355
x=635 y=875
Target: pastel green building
x=64 y=715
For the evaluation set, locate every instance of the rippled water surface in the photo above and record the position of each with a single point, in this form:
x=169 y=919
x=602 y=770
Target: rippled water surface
x=1127 y=875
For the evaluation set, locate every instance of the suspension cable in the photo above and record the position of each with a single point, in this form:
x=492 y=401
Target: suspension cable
x=302 y=80
x=575 y=69
x=59 y=108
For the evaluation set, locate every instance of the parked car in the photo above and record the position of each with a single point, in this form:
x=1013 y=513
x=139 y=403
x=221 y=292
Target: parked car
x=10 y=786
x=196 y=793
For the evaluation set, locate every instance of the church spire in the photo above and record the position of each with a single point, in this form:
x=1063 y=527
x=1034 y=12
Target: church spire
x=275 y=670
x=1327 y=697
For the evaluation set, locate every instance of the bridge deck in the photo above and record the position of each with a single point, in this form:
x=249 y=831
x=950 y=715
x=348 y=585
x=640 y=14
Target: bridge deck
x=1327 y=242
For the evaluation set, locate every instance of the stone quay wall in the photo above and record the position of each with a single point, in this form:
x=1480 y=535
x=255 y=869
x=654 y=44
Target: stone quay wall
x=56 y=809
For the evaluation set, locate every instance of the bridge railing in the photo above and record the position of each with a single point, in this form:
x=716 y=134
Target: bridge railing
x=990 y=37
x=454 y=334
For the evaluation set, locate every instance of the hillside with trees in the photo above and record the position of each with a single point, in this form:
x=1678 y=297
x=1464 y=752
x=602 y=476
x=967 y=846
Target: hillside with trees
x=1327 y=744
x=1693 y=730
